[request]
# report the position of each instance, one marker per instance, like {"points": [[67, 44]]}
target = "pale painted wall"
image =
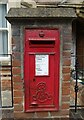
{"points": [[17, 3]]}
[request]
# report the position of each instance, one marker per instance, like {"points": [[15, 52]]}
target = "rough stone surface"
{"points": [[27, 13], [7, 113]]}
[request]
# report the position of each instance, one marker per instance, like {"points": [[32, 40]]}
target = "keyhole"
{"points": [[34, 80]]}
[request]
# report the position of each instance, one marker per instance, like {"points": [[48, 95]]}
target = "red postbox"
{"points": [[41, 69]]}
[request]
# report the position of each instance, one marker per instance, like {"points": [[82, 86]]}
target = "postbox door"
{"points": [[41, 70], [42, 84]]}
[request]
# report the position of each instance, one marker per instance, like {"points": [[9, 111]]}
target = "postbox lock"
{"points": [[41, 34], [34, 79]]}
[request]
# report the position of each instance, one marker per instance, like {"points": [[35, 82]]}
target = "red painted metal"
{"points": [[41, 88]]}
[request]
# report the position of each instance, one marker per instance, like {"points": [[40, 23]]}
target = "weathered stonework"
{"points": [[27, 13], [41, 18], [7, 114]]}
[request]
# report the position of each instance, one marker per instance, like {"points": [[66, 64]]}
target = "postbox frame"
{"points": [[29, 51]]}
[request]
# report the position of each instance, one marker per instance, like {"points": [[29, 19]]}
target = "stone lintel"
{"points": [[39, 13]]}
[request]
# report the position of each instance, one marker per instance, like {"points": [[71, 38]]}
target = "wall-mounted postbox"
{"points": [[41, 69]]}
